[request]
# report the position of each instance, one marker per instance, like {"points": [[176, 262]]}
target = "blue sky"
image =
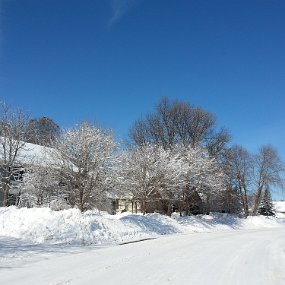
{"points": [[111, 60]]}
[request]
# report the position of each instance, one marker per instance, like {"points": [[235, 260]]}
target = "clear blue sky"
{"points": [[111, 60]]}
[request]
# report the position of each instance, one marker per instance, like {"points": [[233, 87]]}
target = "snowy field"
{"points": [[67, 247]]}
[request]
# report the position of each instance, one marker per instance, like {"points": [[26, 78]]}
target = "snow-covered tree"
{"points": [[13, 131], [149, 172], [181, 176], [42, 187], [201, 174], [266, 207], [82, 160]]}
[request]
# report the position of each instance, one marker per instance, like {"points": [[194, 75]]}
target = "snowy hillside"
{"points": [[42, 225]]}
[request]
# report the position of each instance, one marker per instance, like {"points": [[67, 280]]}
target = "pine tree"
{"points": [[266, 207]]}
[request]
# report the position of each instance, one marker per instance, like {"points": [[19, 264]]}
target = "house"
{"points": [[15, 187], [29, 155], [126, 205]]}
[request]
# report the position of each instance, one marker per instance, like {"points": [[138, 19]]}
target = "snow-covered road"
{"points": [[235, 257]]}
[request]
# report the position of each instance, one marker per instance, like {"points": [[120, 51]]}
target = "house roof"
{"points": [[33, 154]]}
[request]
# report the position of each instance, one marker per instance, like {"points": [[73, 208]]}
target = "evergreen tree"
{"points": [[266, 207]]}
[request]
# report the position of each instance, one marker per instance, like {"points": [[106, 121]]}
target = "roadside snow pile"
{"points": [[220, 222], [212, 222], [42, 225]]}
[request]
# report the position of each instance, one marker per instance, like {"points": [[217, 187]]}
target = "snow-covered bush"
{"points": [[82, 161]]}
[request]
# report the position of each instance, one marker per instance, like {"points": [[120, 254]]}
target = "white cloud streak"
{"points": [[119, 9]]}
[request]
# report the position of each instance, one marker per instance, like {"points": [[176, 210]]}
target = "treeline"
{"points": [[175, 159]]}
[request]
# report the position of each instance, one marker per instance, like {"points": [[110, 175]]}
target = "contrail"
{"points": [[119, 9]]}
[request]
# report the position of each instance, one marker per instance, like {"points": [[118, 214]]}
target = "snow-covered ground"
{"points": [[60, 247], [280, 208], [42, 225], [220, 258]]}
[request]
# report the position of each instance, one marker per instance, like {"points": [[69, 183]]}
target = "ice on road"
{"points": [[235, 257]]}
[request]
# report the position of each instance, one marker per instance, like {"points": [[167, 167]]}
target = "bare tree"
{"points": [[268, 170], [82, 158], [178, 123], [43, 131], [13, 132], [238, 167], [157, 128], [217, 144]]}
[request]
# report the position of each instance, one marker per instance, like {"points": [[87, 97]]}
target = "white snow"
{"points": [[244, 257], [280, 209], [42, 225], [279, 206], [67, 247], [32, 153]]}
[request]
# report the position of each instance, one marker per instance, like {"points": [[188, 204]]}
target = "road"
{"points": [[235, 257]]}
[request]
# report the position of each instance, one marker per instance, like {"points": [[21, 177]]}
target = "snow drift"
{"points": [[42, 225]]}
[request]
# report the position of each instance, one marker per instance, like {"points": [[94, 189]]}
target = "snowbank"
{"points": [[279, 206], [42, 225], [280, 209]]}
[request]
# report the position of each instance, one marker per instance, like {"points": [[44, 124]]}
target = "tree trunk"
{"points": [[257, 200], [6, 196], [144, 206], [81, 200], [169, 209], [244, 199], [246, 211]]}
